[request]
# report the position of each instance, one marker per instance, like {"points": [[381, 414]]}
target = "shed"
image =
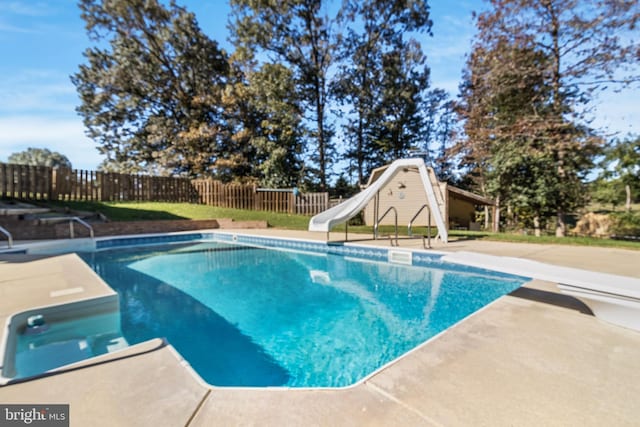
{"points": [[406, 192]]}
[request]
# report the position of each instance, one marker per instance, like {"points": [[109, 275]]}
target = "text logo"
{"points": [[34, 415]]}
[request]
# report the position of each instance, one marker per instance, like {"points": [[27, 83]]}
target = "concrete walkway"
{"points": [[624, 262], [531, 358], [35, 281]]}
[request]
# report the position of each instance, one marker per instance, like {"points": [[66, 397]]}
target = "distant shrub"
{"points": [[358, 219], [594, 225], [626, 224]]}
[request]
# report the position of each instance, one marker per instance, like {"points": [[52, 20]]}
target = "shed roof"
{"points": [[476, 199], [470, 197]]}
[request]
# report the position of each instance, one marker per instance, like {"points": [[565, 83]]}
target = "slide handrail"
{"points": [[375, 226], [410, 232], [9, 236]]}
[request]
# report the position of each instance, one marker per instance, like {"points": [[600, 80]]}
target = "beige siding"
{"points": [[406, 193]]}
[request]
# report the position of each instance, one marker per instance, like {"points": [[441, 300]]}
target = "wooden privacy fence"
{"points": [[45, 183], [215, 193], [312, 203], [26, 182], [83, 185], [239, 196]]}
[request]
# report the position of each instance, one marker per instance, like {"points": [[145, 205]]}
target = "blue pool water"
{"points": [[65, 341], [247, 316]]}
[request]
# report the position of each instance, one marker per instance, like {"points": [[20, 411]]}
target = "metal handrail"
{"points": [[79, 221], [375, 226], [71, 219], [9, 236], [410, 232]]}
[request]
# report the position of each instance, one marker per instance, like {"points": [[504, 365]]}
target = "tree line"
{"points": [[158, 95], [311, 84], [533, 72]]}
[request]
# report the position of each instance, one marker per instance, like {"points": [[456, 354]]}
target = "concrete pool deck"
{"points": [[530, 358]]}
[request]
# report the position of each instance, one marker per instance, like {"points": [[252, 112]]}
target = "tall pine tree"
{"points": [[508, 110], [295, 34], [381, 80], [151, 88]]}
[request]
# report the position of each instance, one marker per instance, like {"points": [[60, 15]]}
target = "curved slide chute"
{"points": [[325, 221]]}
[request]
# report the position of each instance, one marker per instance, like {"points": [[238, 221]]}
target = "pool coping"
{"points": [[371, 382]]}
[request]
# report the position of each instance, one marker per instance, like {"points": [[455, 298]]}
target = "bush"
{"points": [[358, 219], [626, 224], [594, 225]]}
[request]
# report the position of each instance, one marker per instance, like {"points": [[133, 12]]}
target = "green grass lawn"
{"points": [[132, 211], [503, 237], [144, 211], [521, 238]]}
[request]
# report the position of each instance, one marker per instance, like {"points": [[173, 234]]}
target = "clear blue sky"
{"points": [[41, 45]]}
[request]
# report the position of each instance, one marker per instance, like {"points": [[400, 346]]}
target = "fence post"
{"points": [[53, 194], [292, 203], [48, 184], [3, 180]]}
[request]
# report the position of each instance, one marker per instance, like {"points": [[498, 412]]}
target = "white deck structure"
{"points": [[613, 298]]}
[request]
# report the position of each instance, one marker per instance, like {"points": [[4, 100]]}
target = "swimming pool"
{"points": [[296, 315]]}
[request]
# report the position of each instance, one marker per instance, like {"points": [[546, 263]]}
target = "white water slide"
{"points": [[346, 210]]}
